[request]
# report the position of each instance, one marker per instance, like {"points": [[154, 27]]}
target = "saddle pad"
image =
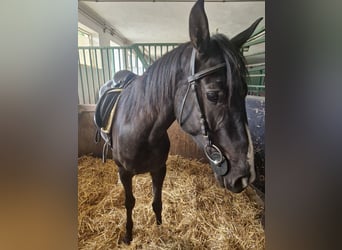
{"points": [[106, 106], [105, 109]]}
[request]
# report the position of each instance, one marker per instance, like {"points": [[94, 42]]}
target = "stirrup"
{"points": [[97, 137]]}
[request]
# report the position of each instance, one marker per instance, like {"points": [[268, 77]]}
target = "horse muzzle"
{"points": [[235, 176], [241, 172]]}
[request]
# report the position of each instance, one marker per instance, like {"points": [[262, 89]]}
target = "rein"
{"points": [[212, 152]]}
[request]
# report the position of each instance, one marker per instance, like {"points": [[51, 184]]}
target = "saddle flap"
{"points": [[104, 107]]}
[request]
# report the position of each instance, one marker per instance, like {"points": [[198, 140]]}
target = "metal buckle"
{"points": [[217, 152]]}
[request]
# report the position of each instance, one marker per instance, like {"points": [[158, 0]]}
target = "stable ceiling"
{"points": [[151, 22]]}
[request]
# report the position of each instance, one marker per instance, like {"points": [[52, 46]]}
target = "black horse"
{"points": [[202, 84]]}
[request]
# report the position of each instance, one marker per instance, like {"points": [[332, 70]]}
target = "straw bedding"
{"points": [[197, 213]]}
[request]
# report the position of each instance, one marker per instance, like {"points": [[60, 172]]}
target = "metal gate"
{"points": [[97, 65]]}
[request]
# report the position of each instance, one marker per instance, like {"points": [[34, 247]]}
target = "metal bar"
{"points": [[131, 59], [140, 55], [86, 70], [79, 85], [116, 59], [129, 46], [81, 78], [155, 53], [125, 58], [257, 86], [255, 54], [103, 66], [113, 60], [254, 65], [109, 75], [137, 64], [254, 42], [92, 71], [262, 79], [97, 71], [256, 70], [260, 70], [256, 75], [155, 44], [119, 52], [149, 54]]}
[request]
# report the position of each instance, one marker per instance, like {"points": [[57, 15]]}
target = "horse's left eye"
{"points": [[213, 96]]}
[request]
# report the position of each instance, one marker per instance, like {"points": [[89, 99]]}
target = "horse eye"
{"points": [[213, 96]]}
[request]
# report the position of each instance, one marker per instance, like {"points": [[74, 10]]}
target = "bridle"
{"points": [[212, 152]]}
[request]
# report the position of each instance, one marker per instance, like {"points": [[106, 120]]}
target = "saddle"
{"points": [[123, 78], [106, 106]]}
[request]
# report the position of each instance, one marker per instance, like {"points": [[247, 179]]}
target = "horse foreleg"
{"points": [[157, 184], [126, 179]]}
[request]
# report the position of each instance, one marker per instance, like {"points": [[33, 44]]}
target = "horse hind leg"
{"points": [[157, 185], [126, 179]]}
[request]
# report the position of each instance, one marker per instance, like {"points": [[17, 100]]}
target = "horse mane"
{"points": [[162, 71], [158, 82]]}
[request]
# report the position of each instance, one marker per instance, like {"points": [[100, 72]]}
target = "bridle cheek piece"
{"points": [[217, 161]]}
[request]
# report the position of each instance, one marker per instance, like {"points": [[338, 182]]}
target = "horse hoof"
{"points": [[127, 240]]}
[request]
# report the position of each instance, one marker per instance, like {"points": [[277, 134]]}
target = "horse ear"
{"points": [[241, 38], [198, 27]]}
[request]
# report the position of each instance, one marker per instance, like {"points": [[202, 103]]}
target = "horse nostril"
{"points": [[244, 182], [238, 184], [241, 182]]}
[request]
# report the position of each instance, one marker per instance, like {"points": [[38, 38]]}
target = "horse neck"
{"points": [[156, 89]]}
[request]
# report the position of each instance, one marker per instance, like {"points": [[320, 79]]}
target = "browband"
{"points": [[205, 72], [196, 76]]}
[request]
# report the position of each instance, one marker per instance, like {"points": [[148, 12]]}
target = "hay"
{"points": [[197, 213]]}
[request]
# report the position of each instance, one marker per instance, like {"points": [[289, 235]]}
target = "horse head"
{"points": [[211, 105]]}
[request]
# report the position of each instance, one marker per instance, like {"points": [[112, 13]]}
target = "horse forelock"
{"points": [[235, 65]]}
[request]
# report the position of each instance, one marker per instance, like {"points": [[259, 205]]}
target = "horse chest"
{"points": [[138, 154]]}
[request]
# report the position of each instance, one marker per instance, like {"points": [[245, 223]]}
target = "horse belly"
{"points": [[142, 157]]}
